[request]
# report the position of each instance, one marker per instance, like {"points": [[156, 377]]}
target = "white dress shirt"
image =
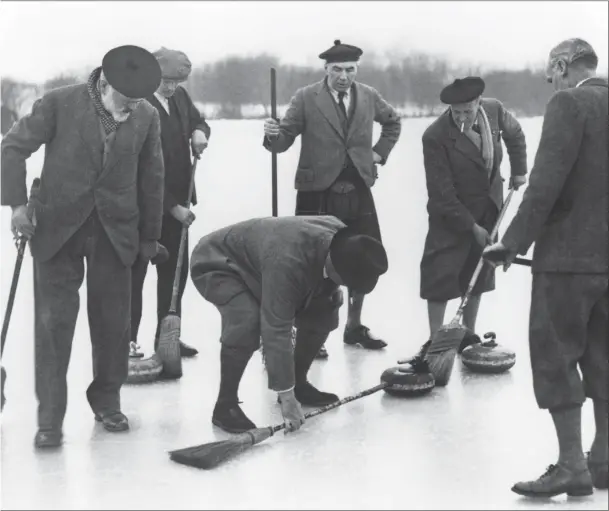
{"points": [[163, 101], [346, 97]]}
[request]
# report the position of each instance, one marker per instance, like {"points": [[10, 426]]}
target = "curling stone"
{"points": [[412, 379], [488, 356], [144, 370]]}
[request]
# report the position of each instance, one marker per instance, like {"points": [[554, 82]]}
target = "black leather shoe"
{"points": [[555, 481], [48, 439], [308, 395], [113, 421], [187, 351], [231, 418], [600, 473], [360, 335], [322, 353]]}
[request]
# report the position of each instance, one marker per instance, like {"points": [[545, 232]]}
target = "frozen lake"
{"points": [[460, 447]]}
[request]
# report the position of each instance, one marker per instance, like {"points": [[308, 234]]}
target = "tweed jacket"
{"points": [[126, 189], [565, 207], [176, 183], [325, 145], [281, 262]]}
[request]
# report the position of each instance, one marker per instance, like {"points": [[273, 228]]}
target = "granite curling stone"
{"points": [[412, 379], [144, 370], [488, 356]]}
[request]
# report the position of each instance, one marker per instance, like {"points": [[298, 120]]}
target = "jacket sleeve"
{"points": [[151, 178], [196, 119], [391, 124], [290, 126], [24, 139], [514, 140], [280, 293], [561, 136], [443, 199]]}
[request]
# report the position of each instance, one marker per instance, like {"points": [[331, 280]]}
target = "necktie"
{"points": [[341, 103]]}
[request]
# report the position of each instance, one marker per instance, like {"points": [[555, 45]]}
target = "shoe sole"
{"points": [[580, 492], [361, 345], [112, 429], [229, 430]]}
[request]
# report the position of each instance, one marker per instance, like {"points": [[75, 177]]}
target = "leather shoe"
{"points": [[187, 351], [308, 395], [360, 335], [113, 421], [48, 439], [600, 473], [555, 481], [230, 418], [322, 353]]}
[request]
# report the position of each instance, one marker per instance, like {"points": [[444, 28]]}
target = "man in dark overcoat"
{"points": [[462, 155], [564, 212], [182, 129], [100, 200], [267, 275], [338, 163]]}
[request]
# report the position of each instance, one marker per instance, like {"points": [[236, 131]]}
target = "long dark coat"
{"points": [[462, 193]]}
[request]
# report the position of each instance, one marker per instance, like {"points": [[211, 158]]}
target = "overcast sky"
{"points": [[41, 39]]}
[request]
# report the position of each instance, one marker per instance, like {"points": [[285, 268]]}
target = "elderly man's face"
{"points": [[556, 73], [168, 87], [465, 113], [117, 104], [341, 75]]}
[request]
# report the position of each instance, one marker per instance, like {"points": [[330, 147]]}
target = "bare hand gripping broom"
{"points": [[168, 349], [212, 454], [21, 242], [445, 342]]}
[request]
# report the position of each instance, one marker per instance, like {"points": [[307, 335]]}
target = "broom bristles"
{"points": [[443, 350], [441, 366], [169, 346], [212, 454]]}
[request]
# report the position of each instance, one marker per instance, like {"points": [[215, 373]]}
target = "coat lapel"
{"points": [[123, 143], [325, 103], [463, 144], [359, 113], [90, 130]]}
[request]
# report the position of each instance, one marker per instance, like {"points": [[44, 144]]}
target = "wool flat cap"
{"points": [[462, 90], [132, 71], [341, 53], [571, 50], [359, 260], [175, 65]]}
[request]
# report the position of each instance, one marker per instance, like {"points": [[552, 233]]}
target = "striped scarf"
{"points": [[108, 122], [488, 149]]}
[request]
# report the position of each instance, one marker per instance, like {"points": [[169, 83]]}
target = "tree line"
{"points": [[239, 86]]}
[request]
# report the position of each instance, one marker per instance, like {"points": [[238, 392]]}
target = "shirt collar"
{"points": [[583, 81], [335, 93], [161, 98]]}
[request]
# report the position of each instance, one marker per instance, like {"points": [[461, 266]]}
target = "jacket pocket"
{"points": [[305, 175]]}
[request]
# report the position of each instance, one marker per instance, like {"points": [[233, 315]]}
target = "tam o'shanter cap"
{"points": [[132, 71], [341, 53], [175, 65], [462, 90]]}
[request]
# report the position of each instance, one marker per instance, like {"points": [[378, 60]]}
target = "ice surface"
{"points": [[461, 447]]}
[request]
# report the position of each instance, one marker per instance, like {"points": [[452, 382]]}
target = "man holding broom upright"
{"points": [[182, 128], [338, 163], [462, 155], [100, 200], [564, 212], [267, 275]]}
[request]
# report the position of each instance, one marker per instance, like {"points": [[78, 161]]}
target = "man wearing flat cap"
{"points": [[100, 200], [182, 129], [267, 275], [338, 163], [564, 212], [462, 156]]}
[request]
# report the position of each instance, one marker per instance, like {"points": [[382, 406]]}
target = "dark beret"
{"points": [[132, 71], [462, 90], [341, 53]]}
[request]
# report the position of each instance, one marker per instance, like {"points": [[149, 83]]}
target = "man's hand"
{"points": [[498, 254], [293, 417], [517, 181], [483, 238], [198, 142], [376, 158], [21, 224], [183, 215], [271, 128], [148, 249]]}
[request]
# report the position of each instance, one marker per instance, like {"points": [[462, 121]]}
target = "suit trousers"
{"points": [[56, 306], [170, 239], [568, 327]]}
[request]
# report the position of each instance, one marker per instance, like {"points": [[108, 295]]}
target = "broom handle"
{"points": [[331, 406], [481, 262], [176, 278], [273, 152]]}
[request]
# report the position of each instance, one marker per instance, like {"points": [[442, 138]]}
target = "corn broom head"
{"points": [[210, 455], [442, 351], [169, 346]]}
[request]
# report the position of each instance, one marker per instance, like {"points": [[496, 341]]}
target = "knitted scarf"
{"points": [[488, 150], [108, 122]]}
